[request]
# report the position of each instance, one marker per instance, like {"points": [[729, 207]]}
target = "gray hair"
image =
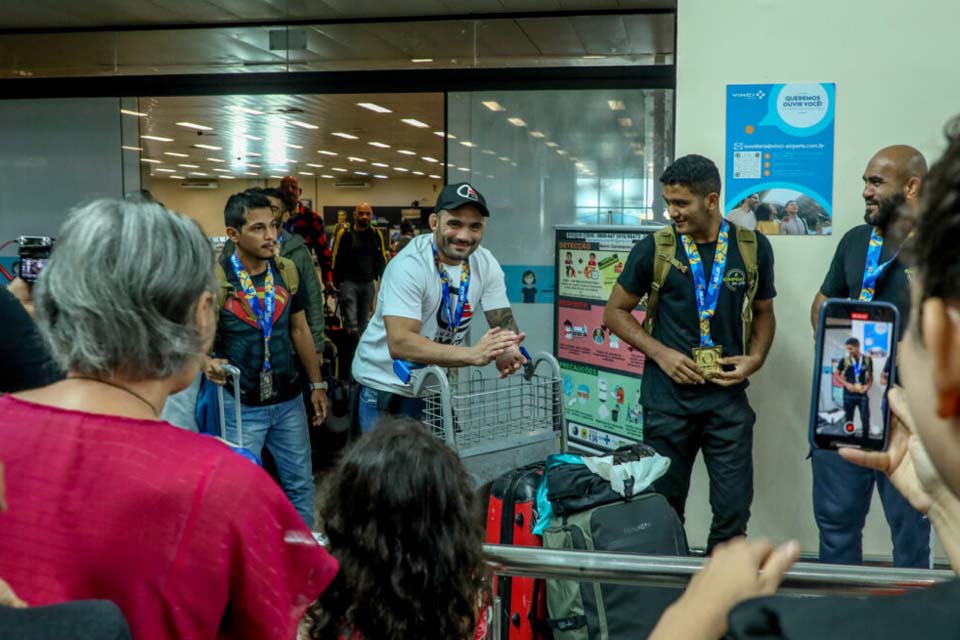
{"points": [[119, 293]]}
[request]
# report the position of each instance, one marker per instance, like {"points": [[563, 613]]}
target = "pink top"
{"points": [[188, 538]]}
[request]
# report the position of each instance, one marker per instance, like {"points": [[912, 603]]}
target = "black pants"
{"points": [[725, 435], [853, 400]]}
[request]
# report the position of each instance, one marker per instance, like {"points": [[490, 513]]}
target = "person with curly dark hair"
{"points": [[405, 525]]}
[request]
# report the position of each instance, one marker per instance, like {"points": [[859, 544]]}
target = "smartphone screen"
{"points": [[30, 268], [854, 369], [34, 251]]}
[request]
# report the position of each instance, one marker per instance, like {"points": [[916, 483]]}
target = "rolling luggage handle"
{"points": [[234, 373]]}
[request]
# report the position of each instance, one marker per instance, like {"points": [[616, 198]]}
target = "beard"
{"points": [[887, 211], [447, 249], [362, 224]]}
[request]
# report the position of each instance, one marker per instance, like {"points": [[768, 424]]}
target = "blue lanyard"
{"points": [[454, 316], [857, 368], [872, 270], [707, 293], [264, 314]]}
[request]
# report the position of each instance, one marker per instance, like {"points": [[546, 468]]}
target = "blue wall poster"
{"points": [[779, 157], [530, 283]]}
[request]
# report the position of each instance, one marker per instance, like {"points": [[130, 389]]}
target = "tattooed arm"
{"points": [[502, 318], [511, 360]]}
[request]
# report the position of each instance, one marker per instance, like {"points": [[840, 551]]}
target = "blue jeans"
{"points": [[283, 428], [376, 404], [841, 500]]}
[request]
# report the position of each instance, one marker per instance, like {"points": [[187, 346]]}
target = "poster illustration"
{"points": [[779, 157], [530, 283]]}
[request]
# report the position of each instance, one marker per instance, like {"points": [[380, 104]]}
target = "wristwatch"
{"points": [[318, 386]]}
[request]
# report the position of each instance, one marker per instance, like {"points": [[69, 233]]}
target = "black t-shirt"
{"points": [[240, 340], [26, 362], [850, 373], [677, 325], [930, 613], [359, 257], [845, 277]]}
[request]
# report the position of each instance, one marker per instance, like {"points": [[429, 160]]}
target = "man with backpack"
{"points": [[359, 258], [855, 374], [709, 324], [262, 330]]}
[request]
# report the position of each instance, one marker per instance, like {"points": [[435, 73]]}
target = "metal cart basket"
{"points": [[496, 424]]}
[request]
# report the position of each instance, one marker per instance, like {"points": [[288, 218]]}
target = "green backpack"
{"points": [[665, 257]]}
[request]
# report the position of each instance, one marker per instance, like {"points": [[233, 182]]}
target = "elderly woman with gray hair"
{"points": [[106, 501]]}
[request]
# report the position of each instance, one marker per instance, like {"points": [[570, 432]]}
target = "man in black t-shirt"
{"points": [[687, 407], [855, 374], [358, 263], [842, 491]]}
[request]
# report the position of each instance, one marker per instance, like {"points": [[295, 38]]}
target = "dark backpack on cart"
{"points": [[590, 516], [511, 516]]}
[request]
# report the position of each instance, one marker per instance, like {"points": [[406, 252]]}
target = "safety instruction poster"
{"points": [[601, 374], [780, 148]]}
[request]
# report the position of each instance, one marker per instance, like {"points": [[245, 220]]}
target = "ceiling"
{"points": [[70, 14], [570, 40], [276, 153], [601, 132]]}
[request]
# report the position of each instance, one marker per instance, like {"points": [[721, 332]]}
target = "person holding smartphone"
{"points": [[867, 266], [27, 361], [922, 461]]}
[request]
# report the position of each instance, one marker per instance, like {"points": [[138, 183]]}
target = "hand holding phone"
{"points": [[33, 252], [855, 342]]}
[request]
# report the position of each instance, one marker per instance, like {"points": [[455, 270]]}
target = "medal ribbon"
{"points": [[872, 270], [264, 313], [707, 292], [454, 316]]}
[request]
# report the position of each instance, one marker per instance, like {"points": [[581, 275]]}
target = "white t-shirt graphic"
{"points": [[411, 288]]}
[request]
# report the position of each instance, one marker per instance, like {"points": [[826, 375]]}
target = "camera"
{"points": [[33, 252]]}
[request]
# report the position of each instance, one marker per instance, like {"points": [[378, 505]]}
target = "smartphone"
{"points": [[33, 252], [854, 368]]}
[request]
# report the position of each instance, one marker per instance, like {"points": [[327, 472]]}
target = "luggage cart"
{"points": [[496, 424]]}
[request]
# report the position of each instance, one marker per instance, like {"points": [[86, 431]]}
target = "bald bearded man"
{"points": [[841, 491], [359, 258]]}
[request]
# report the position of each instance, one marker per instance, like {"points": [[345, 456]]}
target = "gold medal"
{"points": [[708, 360]]}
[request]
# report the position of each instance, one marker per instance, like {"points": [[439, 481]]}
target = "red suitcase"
{"points": [[511, 516]]}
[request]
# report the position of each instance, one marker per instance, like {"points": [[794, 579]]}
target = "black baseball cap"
{"points": [[454, 196]]}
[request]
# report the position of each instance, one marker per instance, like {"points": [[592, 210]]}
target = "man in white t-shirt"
{"points": [[420, 317]]}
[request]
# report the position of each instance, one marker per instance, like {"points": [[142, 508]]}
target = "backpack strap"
{"points": [[747, 243], [336, 246], [224, 289], [289, 273], [384, 244], [664, 257]]}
